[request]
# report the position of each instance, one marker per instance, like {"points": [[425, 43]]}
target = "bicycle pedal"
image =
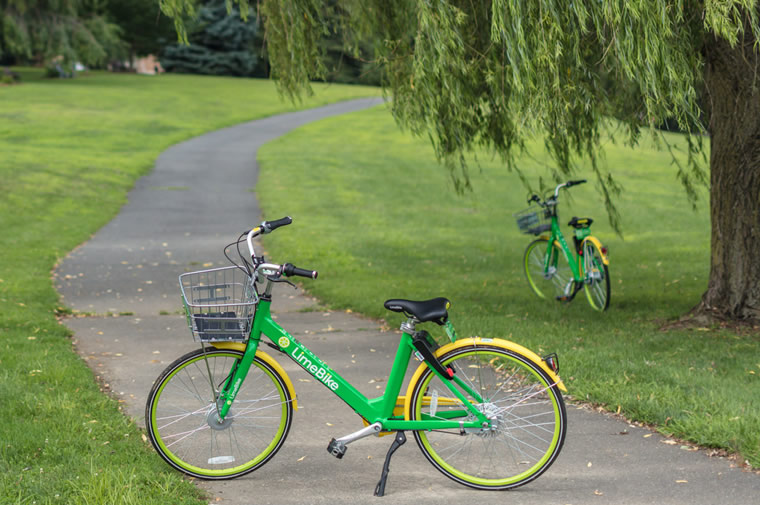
{"points": [[563, 298], [337, 449]]}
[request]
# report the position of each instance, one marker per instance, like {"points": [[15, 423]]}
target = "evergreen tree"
{"points": [[220, 43]]}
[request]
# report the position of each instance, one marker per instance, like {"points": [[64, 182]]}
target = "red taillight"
{"points": [[604, 251], [552, 360]]}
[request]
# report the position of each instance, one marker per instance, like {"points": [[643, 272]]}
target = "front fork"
{"points": [[225, 396]]}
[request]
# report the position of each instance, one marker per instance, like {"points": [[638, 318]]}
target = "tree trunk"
{"points": [[732, 79]]}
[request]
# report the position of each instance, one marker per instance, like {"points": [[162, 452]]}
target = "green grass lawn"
{"points": [[378, 217], [69, 152]]}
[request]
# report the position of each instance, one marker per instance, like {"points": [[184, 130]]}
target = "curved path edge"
{"points": [[196, 200]]}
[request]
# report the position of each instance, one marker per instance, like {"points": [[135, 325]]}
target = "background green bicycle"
{"points": [[486, 412], [552, 267]]}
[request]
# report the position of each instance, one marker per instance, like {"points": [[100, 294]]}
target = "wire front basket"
{"points": [[532, 220], [220, 304]]}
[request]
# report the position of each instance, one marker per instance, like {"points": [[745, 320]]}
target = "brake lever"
{"points": [[272, 278]]}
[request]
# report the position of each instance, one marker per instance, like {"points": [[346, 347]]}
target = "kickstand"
{"points": [[397, 442], [577, 286]]}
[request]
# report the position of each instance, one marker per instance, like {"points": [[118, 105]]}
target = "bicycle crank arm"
{"points": [[338, 447]]}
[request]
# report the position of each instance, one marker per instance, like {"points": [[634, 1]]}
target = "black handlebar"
{"points": [[290, 270], [270, 226], [536, 198], [574, 183]]}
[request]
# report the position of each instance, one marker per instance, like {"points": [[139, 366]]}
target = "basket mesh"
{"points": [[220, 303], [532, 220]]}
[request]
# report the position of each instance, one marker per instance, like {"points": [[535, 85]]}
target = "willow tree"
{"points": [[493, 73]]}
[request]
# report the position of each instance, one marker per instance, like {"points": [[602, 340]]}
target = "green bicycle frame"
{"points": [[556, 235], [373, 410]]}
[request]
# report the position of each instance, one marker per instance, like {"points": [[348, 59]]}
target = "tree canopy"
{"points": [[494, 73], [70, 30]]}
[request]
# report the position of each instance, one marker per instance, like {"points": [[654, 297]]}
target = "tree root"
{"points": [[703, 317]]}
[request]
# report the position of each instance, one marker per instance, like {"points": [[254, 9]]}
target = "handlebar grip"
{"points": [[290, 270], [270, 226], [573, 183], [534, 198]]}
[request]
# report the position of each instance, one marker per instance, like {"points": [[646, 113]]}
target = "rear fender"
{"points": [[496, 342], [598, 244]]}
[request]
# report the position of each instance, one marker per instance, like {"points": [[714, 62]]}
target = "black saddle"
{"points": [[435, 310], [580, 222]]}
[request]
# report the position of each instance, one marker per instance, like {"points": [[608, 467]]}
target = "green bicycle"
{"points": [[551, 266], [486, 412]]}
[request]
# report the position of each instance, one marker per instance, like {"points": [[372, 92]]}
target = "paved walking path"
{"points": [[179, 217]]}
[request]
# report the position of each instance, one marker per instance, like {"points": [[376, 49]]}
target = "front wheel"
{"points": [[596, 276], [547, 270], [182, 422], [528, 419]]}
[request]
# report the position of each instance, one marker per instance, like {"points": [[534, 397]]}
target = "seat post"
{"points": [[410, 326]]}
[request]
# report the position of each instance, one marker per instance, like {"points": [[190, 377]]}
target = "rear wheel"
{"points": [[596, 276], [528, 419], [548, 279], [181, 415]]}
